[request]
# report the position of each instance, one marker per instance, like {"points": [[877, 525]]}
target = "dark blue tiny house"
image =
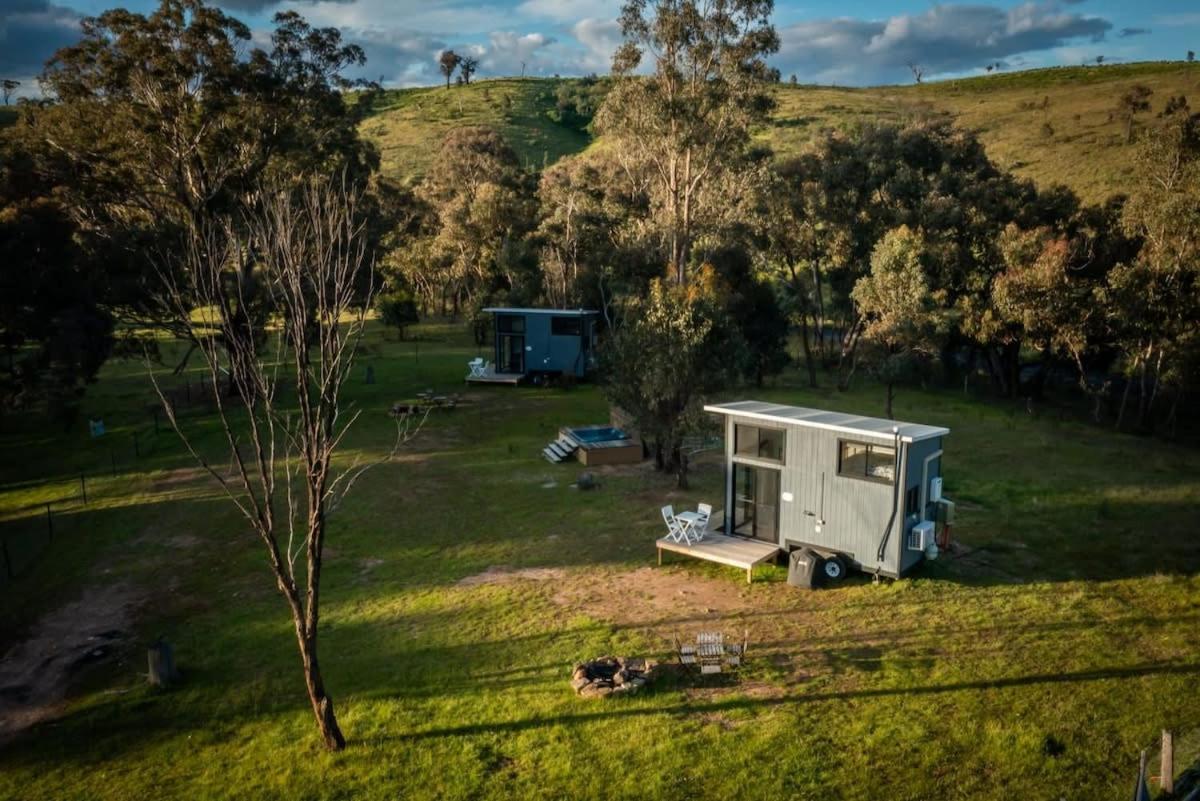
{"points": [[538, 343]]}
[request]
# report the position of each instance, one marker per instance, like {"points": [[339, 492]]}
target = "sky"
{"points": [[855, 42]]}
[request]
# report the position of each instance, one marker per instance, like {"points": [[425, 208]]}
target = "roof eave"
{"points": [[905, 438]]}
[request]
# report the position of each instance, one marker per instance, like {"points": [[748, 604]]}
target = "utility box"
{"points": [[802, 568], [920, 536]]}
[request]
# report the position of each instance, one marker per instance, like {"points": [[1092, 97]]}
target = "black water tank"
{"points": [[802, 568]]}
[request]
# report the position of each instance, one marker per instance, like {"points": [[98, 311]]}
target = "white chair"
{"points": [[701, 526], [675, 529], [476, 366]]}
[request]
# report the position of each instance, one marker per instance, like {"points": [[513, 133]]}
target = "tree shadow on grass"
{"points": [[617, 709]]}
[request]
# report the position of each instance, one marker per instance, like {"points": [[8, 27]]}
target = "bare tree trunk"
{"points": [[819, 318], [809, 360], [891, 396], [322, 704]]}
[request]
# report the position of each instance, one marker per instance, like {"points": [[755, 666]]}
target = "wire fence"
{"points": [[54, 509]]}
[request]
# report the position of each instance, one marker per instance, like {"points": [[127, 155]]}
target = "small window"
{"points": [[566, 326], [770, 444], [510, 324], [758, 443], [912, 499], [866, 461], [746, 440]]}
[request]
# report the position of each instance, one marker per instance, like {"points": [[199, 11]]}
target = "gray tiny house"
{"points": [[543, 342], [862, 489]]}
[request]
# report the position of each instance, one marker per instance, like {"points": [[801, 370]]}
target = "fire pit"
{"points": [[612, 675]]}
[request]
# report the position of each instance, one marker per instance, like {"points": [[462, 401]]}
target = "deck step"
{"points": [[559, 449]]}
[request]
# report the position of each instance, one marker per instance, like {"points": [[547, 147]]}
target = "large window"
{"points": [[510, 324], [758, 443], [566, 326], [867, 461]]}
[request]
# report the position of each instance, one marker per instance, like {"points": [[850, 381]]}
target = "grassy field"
{"points": [[1083, 147], [465, 576]]}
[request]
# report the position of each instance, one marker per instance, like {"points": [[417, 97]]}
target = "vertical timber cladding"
{"points": [[851, 513], [854, 511]]}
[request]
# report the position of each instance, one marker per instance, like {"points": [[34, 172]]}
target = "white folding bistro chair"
{"points": [[701, 526], [675, 530], [476, 366]]}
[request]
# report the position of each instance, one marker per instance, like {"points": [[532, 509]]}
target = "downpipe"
{"points": [[897, 483]]}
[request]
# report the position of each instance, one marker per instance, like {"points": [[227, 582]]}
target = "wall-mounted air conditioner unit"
{"points": [[921, 536]]}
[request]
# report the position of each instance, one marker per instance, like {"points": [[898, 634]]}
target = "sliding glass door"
{"points": [[756, 502]]}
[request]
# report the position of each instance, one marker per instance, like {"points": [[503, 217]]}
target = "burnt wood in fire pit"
{"points": [[607, 676]]}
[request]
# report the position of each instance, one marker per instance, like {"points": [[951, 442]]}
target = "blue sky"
{"points": [[854, 43]]}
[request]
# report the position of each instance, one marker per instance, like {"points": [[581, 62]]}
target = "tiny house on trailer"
{"points": [[860, 491], [537, 343]]}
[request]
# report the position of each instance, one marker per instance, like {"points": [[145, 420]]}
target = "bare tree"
{"points": [[309, 246], [918, 72], [467, 67], [7, 87]]}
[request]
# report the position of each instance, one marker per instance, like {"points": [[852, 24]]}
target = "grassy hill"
{"points": [[1051, 125]]}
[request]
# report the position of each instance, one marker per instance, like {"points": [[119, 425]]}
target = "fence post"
{"points": [[1166, 778], [49, 523], [83, 487]]}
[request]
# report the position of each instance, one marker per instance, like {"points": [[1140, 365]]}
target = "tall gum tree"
{"points": [[676, 130]]}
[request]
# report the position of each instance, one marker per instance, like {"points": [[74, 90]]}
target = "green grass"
{"points": [[1086, 150], [409, 125], [1074, 618]]}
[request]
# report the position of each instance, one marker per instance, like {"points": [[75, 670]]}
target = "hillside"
{"points": [[1082, 146]]}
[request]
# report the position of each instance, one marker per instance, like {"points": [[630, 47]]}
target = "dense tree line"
{"points": [[898, 250]]}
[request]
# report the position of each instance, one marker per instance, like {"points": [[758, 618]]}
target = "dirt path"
{"points": [[35, 674]]}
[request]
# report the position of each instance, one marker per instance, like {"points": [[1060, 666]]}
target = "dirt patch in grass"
{"points": [[652, 596], [499, 574], [35, 674]]}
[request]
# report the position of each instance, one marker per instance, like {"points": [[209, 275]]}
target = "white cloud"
{"points": [[600, 38], [944, 39]]}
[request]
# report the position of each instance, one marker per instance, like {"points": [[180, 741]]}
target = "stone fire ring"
{"points": [[609, 676]]}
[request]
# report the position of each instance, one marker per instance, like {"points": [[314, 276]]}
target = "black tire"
{"points": [[833, 569]]}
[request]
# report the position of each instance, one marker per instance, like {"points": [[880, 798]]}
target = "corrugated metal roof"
{"points": [[833, 421], [562, 312]]}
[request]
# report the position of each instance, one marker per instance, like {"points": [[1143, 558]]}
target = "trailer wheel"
{"points": [[833, 569]]}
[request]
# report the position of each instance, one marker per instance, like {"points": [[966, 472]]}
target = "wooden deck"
{"points": [[732, 551], [496, 378]]}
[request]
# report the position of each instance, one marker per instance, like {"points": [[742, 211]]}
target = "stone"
{"points": [[619, 678], [579, 683], [580, 673], [586, 481], [637, 683], [635, 663], [604, 692]]}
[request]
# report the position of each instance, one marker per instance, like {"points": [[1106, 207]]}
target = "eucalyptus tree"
{"points": [[902, 313], [1153, 300], [480, 208], [162, 122], [674, 348], [448, 62], [676, 130]]}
